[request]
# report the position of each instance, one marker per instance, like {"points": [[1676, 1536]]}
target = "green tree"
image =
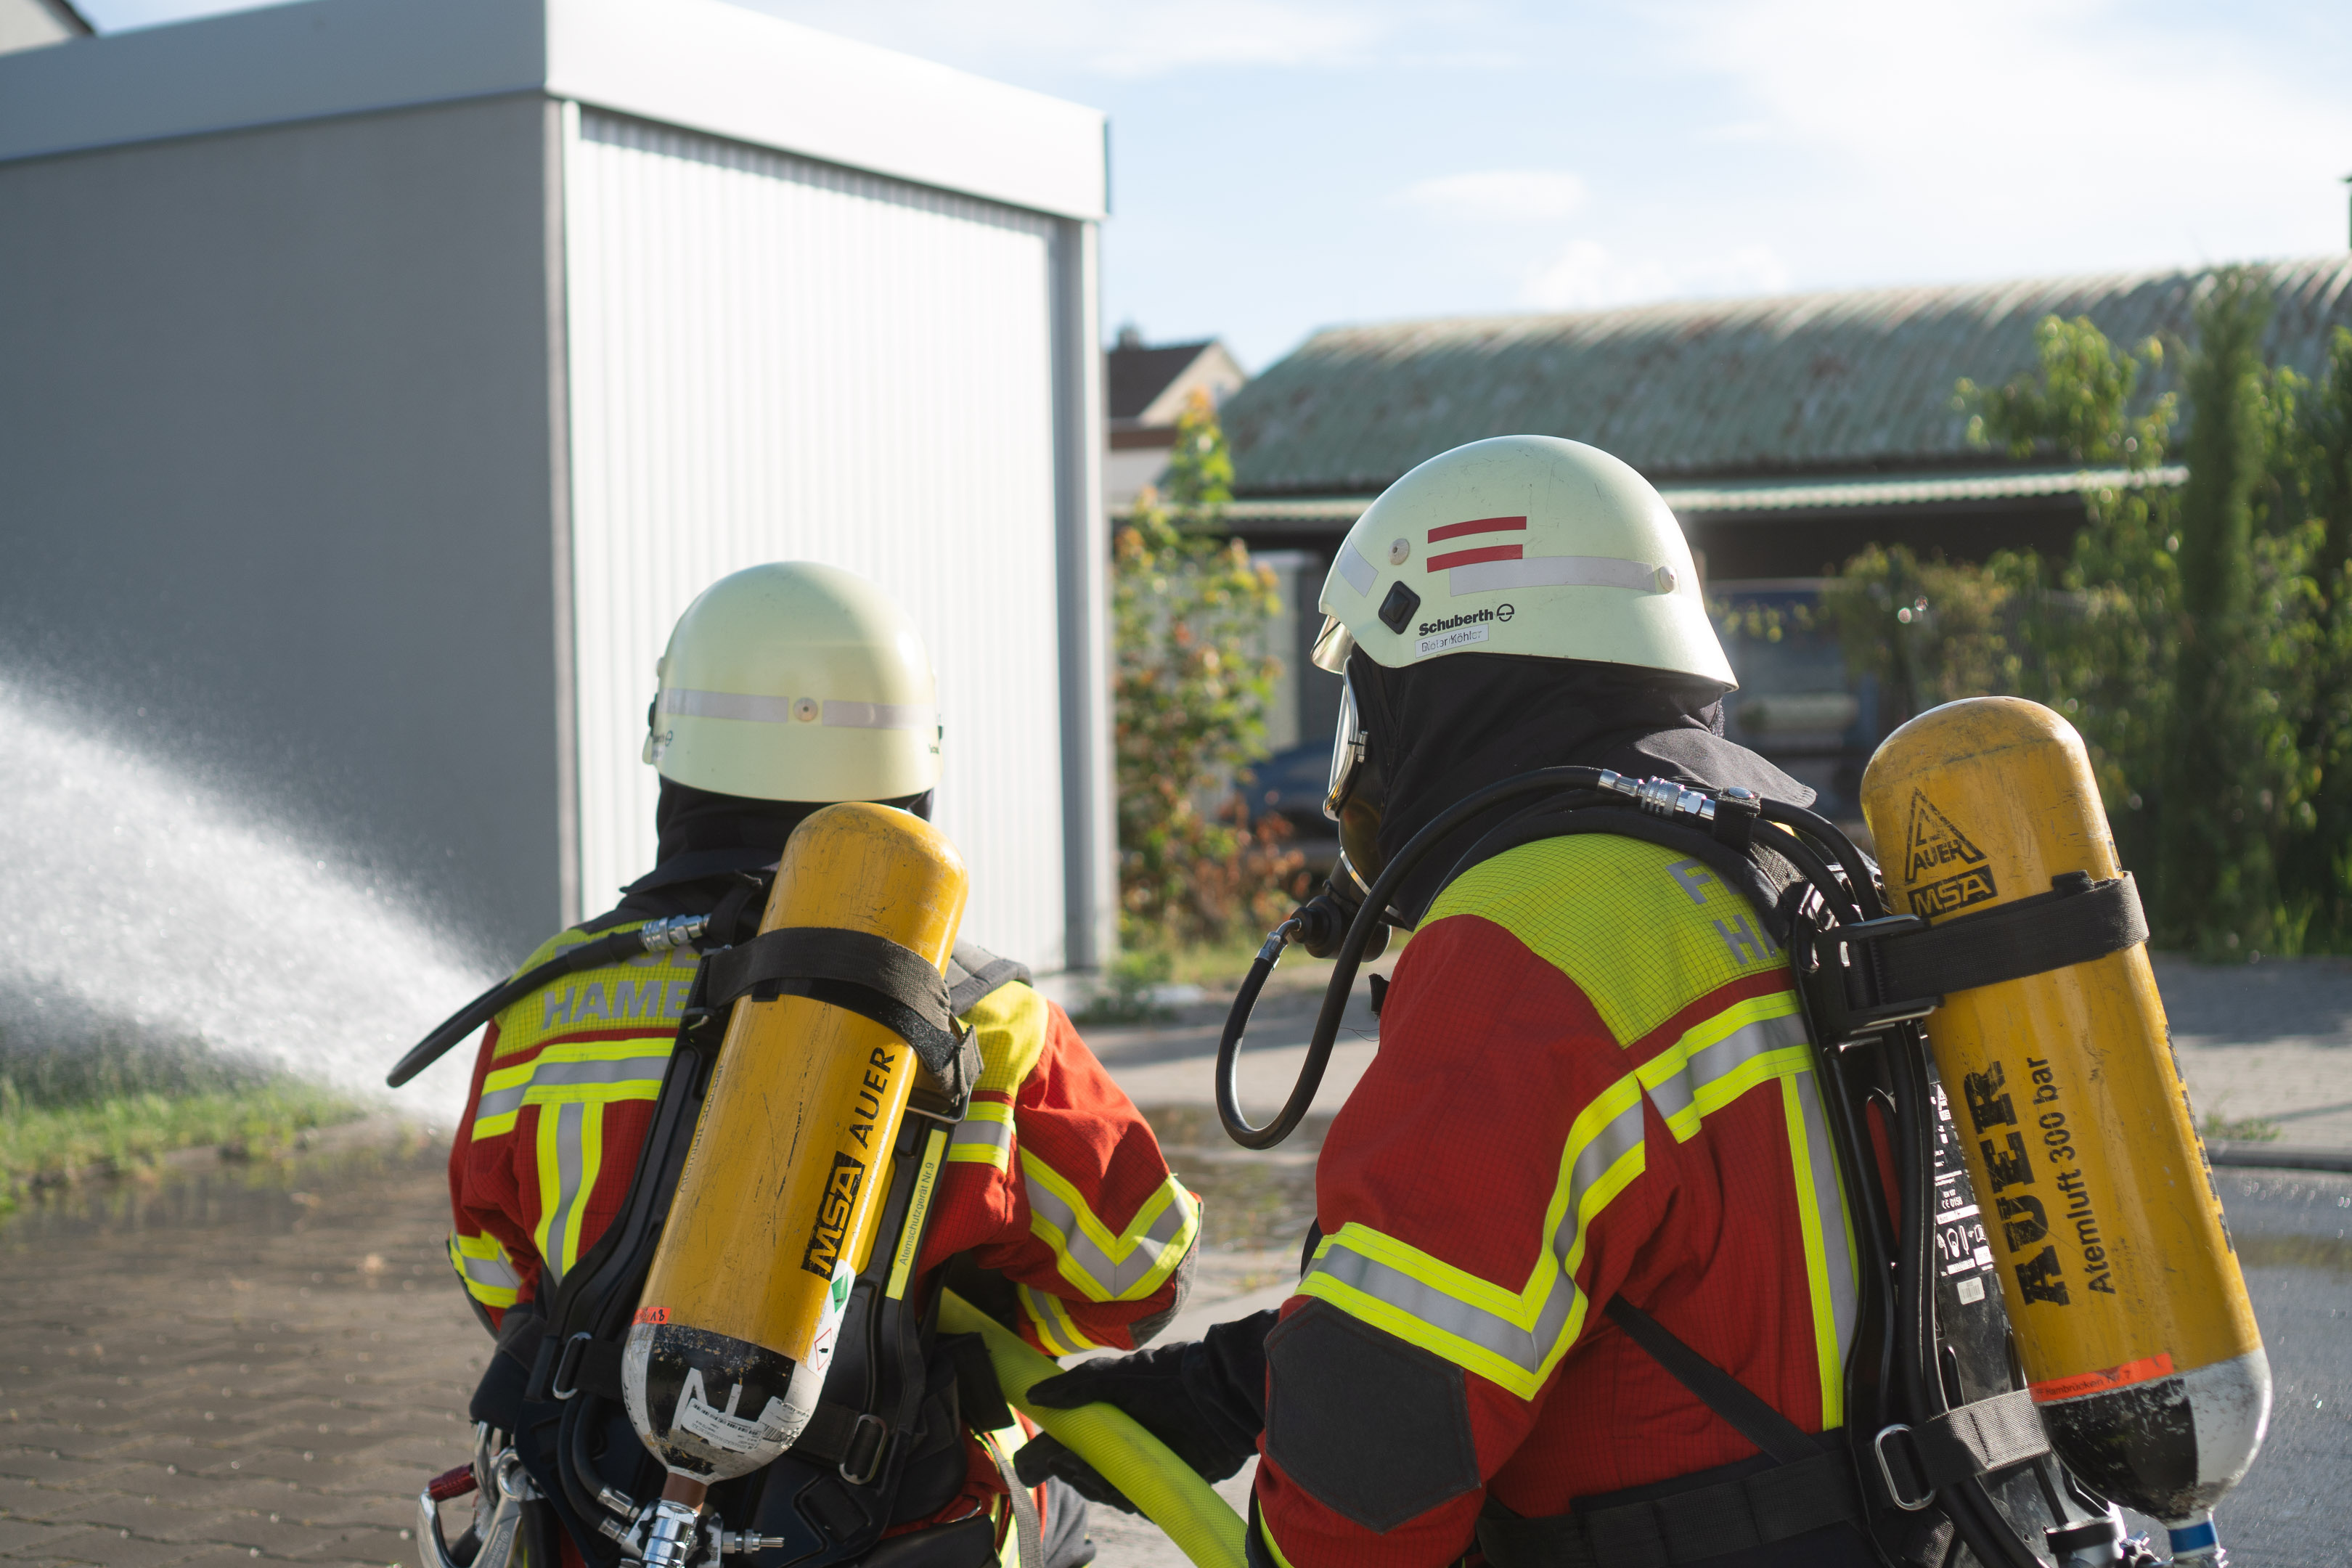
{"points": [[1188, 605], [2315, 871], [1931, 631], [2093, 631], [2217, 880], [2201, 638]]}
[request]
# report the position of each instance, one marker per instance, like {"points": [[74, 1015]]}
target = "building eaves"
{"points": [[702, 64], [1857, 381], [1337, 513]]}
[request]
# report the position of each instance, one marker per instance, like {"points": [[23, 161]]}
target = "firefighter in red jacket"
{"points": [[1593, 1091], [786, 688]]}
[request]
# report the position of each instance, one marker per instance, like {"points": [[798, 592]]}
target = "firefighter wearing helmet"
{"points": [[786, 688], [1589, 1166]]}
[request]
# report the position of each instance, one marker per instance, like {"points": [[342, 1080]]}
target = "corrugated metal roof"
{"points": [[1802, 384], [1337, 512]]}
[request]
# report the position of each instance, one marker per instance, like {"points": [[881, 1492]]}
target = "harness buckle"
{"points": [[863, 1461], [1886, 1471], [1840, 975], [567, 1367]]}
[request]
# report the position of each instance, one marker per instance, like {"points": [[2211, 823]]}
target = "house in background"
{"points": [[1148, 386], [1785, 433], [31, 24]]}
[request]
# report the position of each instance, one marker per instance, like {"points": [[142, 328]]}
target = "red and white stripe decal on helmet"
{"points": [[1472, 556], [1479, 525]]}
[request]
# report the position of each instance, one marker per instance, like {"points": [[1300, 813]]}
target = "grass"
{"points": [[117, 1109], [2243, 1130]]}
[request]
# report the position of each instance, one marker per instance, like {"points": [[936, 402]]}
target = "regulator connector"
{"points": [[1662, 797]]}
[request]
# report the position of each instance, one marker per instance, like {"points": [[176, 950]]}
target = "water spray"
{"points": [[152, 902]]}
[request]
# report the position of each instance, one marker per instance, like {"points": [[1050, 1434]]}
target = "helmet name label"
{"points": [[1460, 637], [1457, 631]]}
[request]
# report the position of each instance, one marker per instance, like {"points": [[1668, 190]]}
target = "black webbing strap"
{"points": [[2076, 921], [841, 1435], [1778, 1503], [978, 1395], [1971, 1440], [1810, 1485], [583, 1364], [1749, 1415], [867, 974], [974, 971]]}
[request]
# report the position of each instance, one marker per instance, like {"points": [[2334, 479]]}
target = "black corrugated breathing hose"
{"points": [[1350, 957], [654, 936]]}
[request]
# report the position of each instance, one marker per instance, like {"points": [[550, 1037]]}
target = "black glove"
{"points": [[1205, 1399]]}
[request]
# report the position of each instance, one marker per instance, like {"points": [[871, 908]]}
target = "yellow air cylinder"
{"points": [[2130, 1317], [783, 1189]]}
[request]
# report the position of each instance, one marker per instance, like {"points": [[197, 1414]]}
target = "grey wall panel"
{"points": [[1089, 819], [773, 359], [275, 464]]}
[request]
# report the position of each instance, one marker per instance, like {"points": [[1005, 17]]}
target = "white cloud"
{"points": [[1119, 39], [1150, 38], [1500, 196], [1585, 275], [2066, 118]]}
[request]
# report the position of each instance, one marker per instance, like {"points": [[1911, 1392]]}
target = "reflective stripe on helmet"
{"points": [[1555, 571], [794, 680], [831, 711], [1514, 1337], [1358, 573]]}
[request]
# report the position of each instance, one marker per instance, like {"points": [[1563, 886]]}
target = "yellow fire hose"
{"points": [[1169, 1492]]}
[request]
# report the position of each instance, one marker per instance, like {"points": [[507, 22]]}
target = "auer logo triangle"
{"points": [[1945, 871], [1934, 843]]}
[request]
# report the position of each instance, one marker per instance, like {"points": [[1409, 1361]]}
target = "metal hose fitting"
{"points": [[676, 931]]}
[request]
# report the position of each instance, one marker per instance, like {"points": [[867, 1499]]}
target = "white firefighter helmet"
{"points": [[1525, 544], [796, 682]]}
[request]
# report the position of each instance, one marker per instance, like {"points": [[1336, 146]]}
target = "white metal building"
{"points": [[379, 378]]}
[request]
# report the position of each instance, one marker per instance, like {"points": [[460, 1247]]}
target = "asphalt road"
{"points": [[2293, 1232]]}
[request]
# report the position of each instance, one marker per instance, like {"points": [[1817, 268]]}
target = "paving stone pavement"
{"points": [[243, 1365], [238, 1364], [231, 1366]]}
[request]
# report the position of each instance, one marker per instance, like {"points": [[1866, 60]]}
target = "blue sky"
{"points": [[1284, 164]]}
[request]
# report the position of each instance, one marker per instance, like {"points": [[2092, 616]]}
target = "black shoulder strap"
{"points": [[1739, 1404], [974, 971]]}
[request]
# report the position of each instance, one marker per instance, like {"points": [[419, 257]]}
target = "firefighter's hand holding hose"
{"points": [[1125, 1458], [1204, 1398]]}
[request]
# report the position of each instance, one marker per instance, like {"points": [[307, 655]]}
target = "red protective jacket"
{"points": [[1592, 1079], [1053, 1179]]}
